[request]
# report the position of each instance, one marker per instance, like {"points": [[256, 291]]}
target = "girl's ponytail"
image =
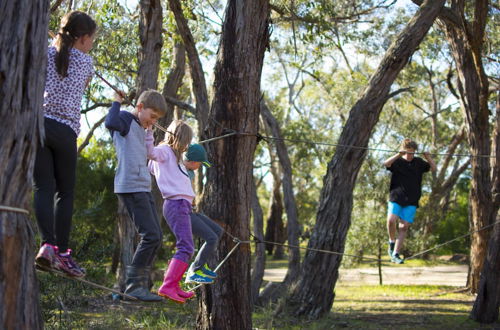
{"points": [[179, 137], [73, 26]]}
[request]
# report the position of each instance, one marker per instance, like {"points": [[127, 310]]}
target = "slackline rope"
{"points": [[233, 132], [13, 209]]}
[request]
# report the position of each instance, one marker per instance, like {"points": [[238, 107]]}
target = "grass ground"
{"points": [[72, 305]]}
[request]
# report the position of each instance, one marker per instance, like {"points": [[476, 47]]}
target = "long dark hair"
{"points": [[73, 26]]}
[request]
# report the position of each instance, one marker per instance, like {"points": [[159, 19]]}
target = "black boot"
{"points": [[137, 284]]}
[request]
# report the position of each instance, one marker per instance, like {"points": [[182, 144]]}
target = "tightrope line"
{"points": [[13, 209]]}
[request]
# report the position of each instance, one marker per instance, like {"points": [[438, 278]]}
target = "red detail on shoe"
{"points": [[67, 265]]}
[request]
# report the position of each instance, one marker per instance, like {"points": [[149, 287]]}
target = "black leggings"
{"points": [[54, 183]]}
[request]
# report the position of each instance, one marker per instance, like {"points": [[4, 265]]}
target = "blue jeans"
{"points": [[210, 232]]}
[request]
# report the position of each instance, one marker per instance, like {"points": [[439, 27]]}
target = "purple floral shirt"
{"points": [[63, 96]]}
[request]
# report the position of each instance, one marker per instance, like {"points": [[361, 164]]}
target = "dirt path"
{"points": [[455, 275]]}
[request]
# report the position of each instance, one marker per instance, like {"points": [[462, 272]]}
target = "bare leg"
{"points": [[391, 226], [403, 229]]}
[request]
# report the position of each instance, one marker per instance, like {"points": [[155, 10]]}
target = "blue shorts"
{"points": [[407, 213]]}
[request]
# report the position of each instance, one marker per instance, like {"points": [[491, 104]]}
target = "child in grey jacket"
{"points": [[133, 184]]}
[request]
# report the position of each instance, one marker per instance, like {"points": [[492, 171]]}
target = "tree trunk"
{"points": [[245, 36], [150, 34], [289, 196], [273, 291], [23, 40], [466, 42], [127, 238], [174, 82], [313, 296], [487, 304], [260, 253], [275, 229]]}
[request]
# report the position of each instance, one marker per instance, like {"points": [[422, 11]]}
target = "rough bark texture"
{"points": [[313, 296], [23, 40], [260, 253], [127, 235], [487, 303], [150, 28], [227, 196], [466, 41]]}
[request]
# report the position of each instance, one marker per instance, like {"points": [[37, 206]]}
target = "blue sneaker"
{"points": [[198, 277], [208, 272], [397, 259]]}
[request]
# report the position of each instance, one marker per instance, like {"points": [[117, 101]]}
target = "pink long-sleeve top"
{"points": [[171, 177]]}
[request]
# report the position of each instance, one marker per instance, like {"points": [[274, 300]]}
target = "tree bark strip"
{"points": [[313, 296], [23, 55], [150, 34], [260, 253], [466, 41], [245, 36], [487, 304]]}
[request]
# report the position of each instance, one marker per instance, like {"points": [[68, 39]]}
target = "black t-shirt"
{"points": [[406, 180]]}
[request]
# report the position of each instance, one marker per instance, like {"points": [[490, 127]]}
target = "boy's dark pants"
{"points": [[203, 227], [54, 176], [141, 207]]}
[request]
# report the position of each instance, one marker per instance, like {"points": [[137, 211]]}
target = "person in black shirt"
{"points": [[405, 192]]}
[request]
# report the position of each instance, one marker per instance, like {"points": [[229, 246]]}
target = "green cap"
{"points": [[196, 153]]}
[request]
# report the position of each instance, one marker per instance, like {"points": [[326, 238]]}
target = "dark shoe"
{"points": [[137, 284], [397, 259], [66, 264]]}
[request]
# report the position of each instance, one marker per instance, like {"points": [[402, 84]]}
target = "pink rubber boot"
{"points": [[180, 292], [170, 285]]}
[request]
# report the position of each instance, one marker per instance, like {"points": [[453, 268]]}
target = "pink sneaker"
{"points": [[46, 256], [66, 264]]}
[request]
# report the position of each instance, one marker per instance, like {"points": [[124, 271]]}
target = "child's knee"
{"points": [[154, 238]]}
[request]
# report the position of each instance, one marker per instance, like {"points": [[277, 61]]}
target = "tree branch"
{"points": [[180, 104], [90, 134], [197, 75]]}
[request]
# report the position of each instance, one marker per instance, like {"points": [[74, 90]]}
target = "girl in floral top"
{"points": [[69, 70]]}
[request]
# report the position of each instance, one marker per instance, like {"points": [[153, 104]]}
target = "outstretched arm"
{"points": [[389, 161], [113, 120], [154, 153], [431, 162]]}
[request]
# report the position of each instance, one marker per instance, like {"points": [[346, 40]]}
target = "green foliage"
{"points": [[95, 204]]}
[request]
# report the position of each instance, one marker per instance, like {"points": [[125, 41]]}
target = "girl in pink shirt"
{"points": [[175, 186]]}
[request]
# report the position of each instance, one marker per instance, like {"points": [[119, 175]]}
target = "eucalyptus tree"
{"points": [[23, 40], [465, 26], [313, 295], [235, 105]]}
